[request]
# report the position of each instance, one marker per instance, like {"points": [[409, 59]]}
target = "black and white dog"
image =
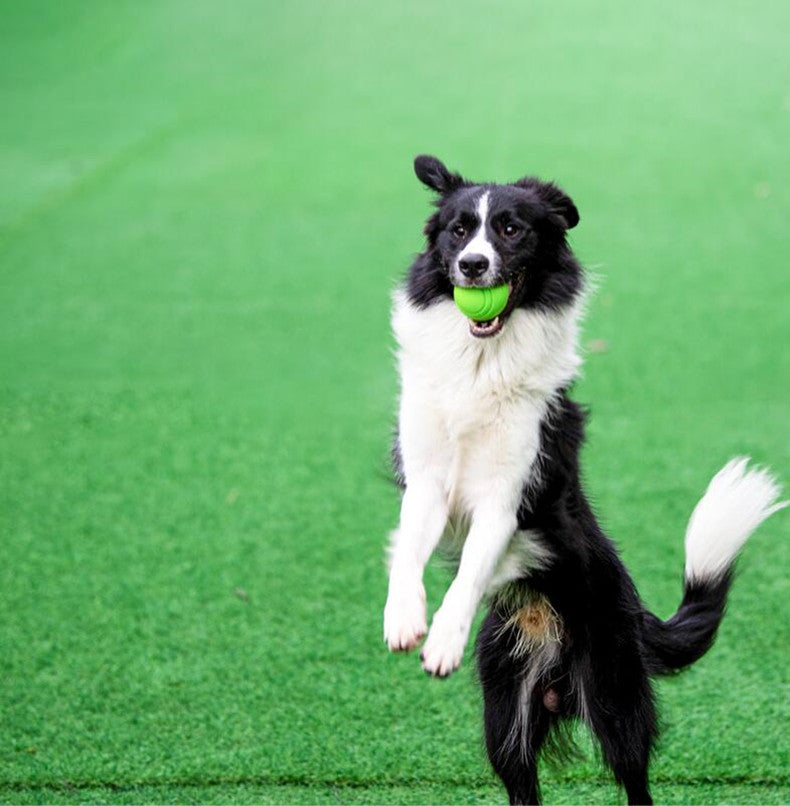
{"points": [[487, 452]]}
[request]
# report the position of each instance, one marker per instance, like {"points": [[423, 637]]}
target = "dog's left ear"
{"points": [[433, 173], [562, 210], [560, 205]]}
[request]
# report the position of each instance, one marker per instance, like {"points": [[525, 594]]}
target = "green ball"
{"points": [[481, 304]]}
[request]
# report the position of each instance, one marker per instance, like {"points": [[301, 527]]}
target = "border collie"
{"points": [[487, 454]]}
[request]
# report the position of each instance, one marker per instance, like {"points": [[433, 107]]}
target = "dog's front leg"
{"points": [[423, 518], [491, 530]]}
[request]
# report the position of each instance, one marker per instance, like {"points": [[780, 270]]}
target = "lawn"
{"points": [[203, 210]]}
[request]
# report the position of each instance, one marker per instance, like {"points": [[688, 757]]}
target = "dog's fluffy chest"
{"points": [[471, 409]]}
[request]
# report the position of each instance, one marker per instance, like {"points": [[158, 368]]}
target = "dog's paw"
{"points": [[404, 619], [444, 648]]}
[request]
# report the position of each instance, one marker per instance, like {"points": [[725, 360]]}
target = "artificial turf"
{"points": [[203, 209]]}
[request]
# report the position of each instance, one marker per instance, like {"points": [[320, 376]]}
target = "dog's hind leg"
{"points": [[623, 719], [516, 720]]}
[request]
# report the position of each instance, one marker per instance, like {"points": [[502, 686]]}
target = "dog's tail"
{"points": [[737, 501]]}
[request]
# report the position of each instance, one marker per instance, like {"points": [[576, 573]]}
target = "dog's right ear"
{"points": [[433, 173]]}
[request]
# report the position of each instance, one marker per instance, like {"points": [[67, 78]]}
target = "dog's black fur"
{"points": [[541, 212], [611, 644]]}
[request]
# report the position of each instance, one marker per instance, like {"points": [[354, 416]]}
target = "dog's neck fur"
{"points": [[535, 355]]}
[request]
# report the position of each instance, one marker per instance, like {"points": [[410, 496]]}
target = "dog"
{"points": [[487, 455]]}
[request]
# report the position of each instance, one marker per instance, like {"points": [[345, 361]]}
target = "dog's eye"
{"points": [[459, 230], [510, 230]]}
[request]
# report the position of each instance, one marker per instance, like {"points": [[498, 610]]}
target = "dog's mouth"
{"points": [[490, 327], [482, 330]]}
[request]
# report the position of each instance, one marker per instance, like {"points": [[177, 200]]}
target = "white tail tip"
{"points": [[737, 501]]}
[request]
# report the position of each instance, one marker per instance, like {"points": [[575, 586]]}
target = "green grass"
{"points": [[203, 208]]}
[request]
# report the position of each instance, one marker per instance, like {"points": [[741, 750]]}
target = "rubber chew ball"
{"points": [[481, 304]]}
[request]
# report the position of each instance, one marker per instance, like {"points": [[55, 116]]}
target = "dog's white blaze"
{"points": [[737, 501], [480, 245], [469, 429]]}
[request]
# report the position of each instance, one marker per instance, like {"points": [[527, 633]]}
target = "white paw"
{"points": [[444, 648], [404, 618]]}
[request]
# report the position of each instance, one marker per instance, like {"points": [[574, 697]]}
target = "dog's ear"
{"points": [[433, 173], [560, 204], [562, 210]]}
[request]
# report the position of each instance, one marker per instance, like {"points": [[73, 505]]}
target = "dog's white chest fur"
{"points": [[471, 409], [469, 429]]}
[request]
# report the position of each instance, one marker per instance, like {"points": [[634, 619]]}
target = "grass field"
{"points": [[203, 208]]}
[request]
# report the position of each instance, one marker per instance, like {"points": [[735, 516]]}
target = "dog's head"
{"points": [[486, 235]]}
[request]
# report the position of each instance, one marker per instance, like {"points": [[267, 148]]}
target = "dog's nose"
{"points": [[473, 265]]}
